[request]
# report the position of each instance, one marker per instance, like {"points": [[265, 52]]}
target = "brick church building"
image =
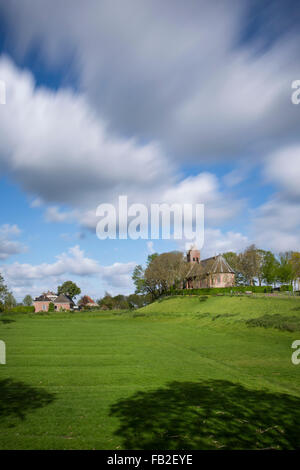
{"points": [[210, 272]]}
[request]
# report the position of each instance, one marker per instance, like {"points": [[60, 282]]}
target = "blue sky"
{"points": [[164, 102]]}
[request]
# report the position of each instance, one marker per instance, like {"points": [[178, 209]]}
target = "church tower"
{"points": [[193, 255]]}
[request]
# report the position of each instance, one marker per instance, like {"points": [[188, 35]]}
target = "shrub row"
{"points": [[20, 309], [281, 322], [222, 290]]}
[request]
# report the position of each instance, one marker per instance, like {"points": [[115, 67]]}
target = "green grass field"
{"points": [[182, 373]]}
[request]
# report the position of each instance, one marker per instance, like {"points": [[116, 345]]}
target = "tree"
{"points": [[285, 274], [162, 272], [295, 262], [138, 279], [269, 268], [10, 301], [84, 300], [3, 293], [136, 301], [69, 288], [106, 302], [261, 254], [234, 260], [250, 264], [51, 307], [27, 301], [120, 302]]}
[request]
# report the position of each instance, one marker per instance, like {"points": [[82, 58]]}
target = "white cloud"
{"points": [[283, 168], [216, 242], [56, 147], [27, 278], [9, 246], [118, 276], [150, 247], [72, 262], [54, 214], [36, 202], [276, 225]]}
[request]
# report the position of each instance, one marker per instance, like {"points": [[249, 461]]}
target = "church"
{"points": [[210, 272]]}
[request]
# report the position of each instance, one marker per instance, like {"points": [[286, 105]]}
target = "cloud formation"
{"points": [[24, 278], [180, 74], [9, 246], [153, 88], [57, 148]]}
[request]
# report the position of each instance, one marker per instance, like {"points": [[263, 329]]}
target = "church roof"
{"points": [[214, 265]]}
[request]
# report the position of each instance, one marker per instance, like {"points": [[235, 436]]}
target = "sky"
{"points": [[165, 102]]}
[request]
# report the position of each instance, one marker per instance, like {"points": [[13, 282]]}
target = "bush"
{"points": [[286, 287], [86, 308], [281, 322]]}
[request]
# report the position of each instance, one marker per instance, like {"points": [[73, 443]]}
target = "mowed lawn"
{"points": [[183, 373]]}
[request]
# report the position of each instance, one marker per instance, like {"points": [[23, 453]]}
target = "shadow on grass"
{"points": [[17, 399], [6, 321], [216, 414], [223, 315]]}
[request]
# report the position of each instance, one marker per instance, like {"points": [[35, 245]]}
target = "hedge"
{"points": [[20, 309], [221, 290], [286, 287]]}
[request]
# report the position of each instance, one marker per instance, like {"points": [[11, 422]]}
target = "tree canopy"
{"points": [[162, 272], [69, 288], [27, 301]]}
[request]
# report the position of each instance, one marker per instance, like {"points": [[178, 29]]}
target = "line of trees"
{"points": [[123, 302], [257, 267], [253, 266]]}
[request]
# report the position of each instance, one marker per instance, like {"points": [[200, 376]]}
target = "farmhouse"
{"points": [[61, 302], [210, 272]]}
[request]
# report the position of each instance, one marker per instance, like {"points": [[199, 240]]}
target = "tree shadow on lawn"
{"points": [[18, 399], [215, 414], [6, 321]]}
